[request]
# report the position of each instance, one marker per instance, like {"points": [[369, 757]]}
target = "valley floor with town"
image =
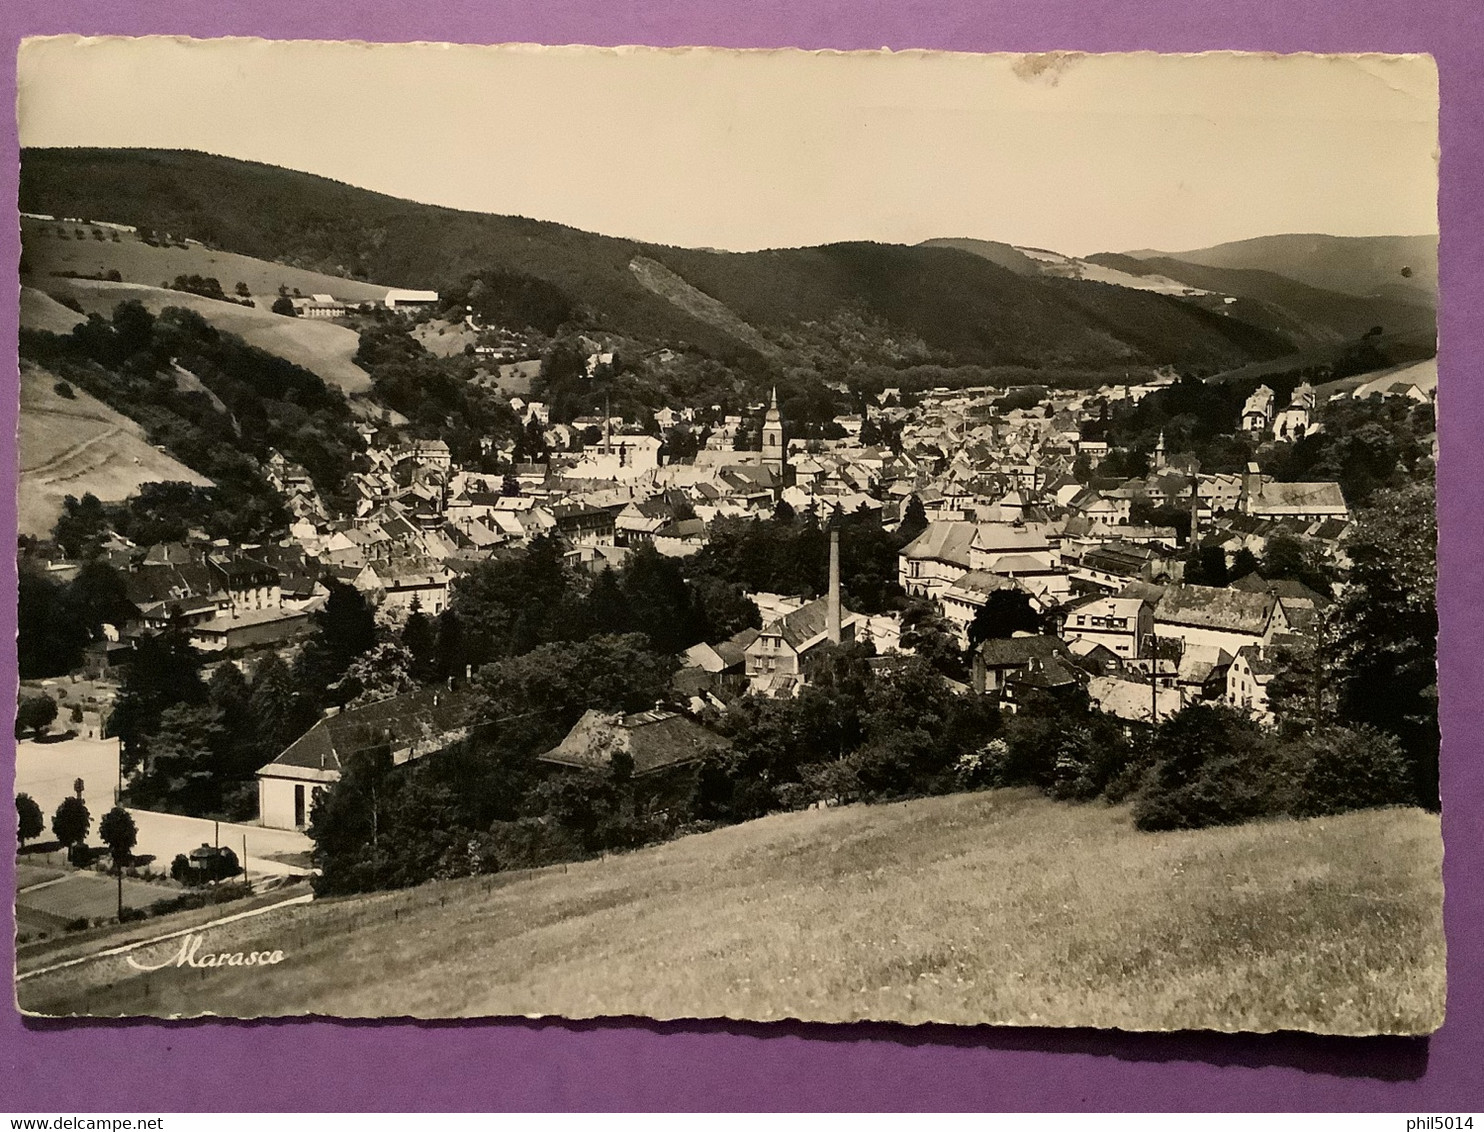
{"points": [[381, 641]]}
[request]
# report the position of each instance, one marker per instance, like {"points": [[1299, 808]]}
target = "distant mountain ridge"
{"points": [[1285, 305], [1350, 265], [967, 301], [1009, 257]]}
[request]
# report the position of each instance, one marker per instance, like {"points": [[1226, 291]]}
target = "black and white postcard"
{"points": [[916, 537]]}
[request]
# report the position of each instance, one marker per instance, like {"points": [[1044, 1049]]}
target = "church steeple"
{"points": [[775, 450]]}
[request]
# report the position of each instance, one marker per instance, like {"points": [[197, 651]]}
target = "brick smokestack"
{"points": [[832, 621]]}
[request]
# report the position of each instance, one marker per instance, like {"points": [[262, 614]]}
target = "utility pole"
{"points": [[1151, 642]]}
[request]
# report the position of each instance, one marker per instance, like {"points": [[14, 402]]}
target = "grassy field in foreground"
{"points": [[995, 907]]}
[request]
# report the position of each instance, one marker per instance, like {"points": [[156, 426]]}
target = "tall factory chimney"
{"points": [[832, 616]]}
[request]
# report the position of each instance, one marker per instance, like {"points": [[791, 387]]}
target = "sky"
{"points": [[745, 150]]}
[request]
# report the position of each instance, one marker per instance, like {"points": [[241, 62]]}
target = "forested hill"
{"points": [[957, 305]]}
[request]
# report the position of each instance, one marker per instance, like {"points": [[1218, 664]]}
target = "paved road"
{"points": [[165, 835], [46, 771]]}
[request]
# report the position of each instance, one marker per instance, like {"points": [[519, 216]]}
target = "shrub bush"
{"points": [[834, 782], [527, 843], [1349, 768], [1212, 765], [1058, 744]]}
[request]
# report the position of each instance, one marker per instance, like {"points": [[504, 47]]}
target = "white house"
{"points": [[1247, 681], [1122, 625]]}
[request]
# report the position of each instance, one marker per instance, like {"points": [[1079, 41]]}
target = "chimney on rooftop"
{"points": [[1251, 485], [832, 617]]}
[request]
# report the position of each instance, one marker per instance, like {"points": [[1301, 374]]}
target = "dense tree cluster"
{"points": [[1365, 446], [509, 605], [438, 396], [855, 733], [508, 299], [791, 556], [56, 621]]}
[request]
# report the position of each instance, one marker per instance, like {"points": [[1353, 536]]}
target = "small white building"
{"points": [[1247, 681], [399, 298]]}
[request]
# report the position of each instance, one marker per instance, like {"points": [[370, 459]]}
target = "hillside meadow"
{"points": [[1001, 907], [48, 254], [323, 348], [76, 445]]}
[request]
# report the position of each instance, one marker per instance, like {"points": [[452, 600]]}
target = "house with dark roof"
{"points": [[1055, 673], [408, 727], [581, 525], [248, 583], [653, 742], [1111, 566], [996, 660]]}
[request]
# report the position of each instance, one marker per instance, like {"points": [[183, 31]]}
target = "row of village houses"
{"points": [[1004, 510], [1010, 515]]}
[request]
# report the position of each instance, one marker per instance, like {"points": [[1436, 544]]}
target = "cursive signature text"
{"points": [[188, 956]]}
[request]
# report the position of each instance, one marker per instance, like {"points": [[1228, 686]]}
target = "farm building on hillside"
{"points": [[320, 306], [401, 299]]}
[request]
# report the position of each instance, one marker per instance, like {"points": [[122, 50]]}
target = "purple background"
{"points": [[298, 1066]]}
